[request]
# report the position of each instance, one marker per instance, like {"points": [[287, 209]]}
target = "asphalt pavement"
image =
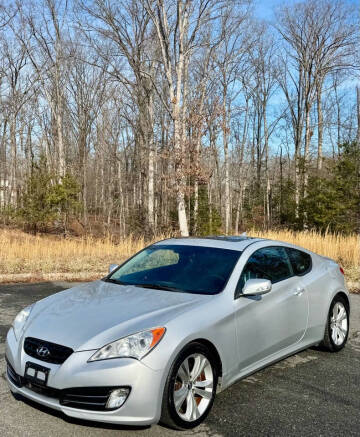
{"points": [[313, 393]]}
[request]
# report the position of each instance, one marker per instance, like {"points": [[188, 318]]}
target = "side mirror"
{"points": [[256, 287], [112, 267]]}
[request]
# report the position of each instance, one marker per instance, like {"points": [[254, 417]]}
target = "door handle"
{"points": [[299, 291]]}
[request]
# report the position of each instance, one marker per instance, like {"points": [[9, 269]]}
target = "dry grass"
{"points": [[38, 257], [24, 253], [345, 249]]}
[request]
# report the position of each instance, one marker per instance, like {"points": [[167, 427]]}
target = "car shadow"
{"points": [[74, 421]]}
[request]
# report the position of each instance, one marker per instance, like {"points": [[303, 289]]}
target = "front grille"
{"points": [[58, 354]]}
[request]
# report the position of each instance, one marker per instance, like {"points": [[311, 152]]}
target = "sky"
{"points": [[264, 9]]}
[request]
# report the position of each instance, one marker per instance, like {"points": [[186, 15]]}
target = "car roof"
{"points": [[233, 242]]}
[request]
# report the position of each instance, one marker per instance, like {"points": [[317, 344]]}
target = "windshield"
{"points": [[192, 269]]}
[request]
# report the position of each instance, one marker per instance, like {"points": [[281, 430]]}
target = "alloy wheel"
{"points": [[339, 324], [193, 388]]}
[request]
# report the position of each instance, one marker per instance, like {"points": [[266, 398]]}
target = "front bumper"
{"points": [[142, 407]]}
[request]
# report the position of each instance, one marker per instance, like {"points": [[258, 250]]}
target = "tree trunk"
{"points": [[196, 204], [281, 188], [306, 158], [180, 177], [59, 116], [297, 173], [307, 150], [226, 166], [151, 172], [238, 210], [196, 169], [151, 167], [179, 169], [3, 167], [320, 126], [358, 116], [266, 146], [13, 161]]}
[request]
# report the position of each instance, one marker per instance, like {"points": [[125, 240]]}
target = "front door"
{"points": [[274, 321]]}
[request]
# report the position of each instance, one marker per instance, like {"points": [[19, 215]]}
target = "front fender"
{"points": [[215, 324]]}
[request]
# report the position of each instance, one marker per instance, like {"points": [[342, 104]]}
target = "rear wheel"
{"points": [[337, 328], [190, 388]]}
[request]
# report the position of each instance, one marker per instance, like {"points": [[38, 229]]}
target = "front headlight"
{"points": [[20, 320], [133, 346]]}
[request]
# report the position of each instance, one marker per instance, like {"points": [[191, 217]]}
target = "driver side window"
{"points": [[270, 263]]}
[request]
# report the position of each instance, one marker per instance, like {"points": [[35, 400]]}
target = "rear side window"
{"points": [[300, 261]]}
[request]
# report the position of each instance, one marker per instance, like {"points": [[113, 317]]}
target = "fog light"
{"points": [[117, 398]]}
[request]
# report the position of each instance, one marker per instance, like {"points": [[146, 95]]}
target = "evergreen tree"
{"points": [[208, 220], [46, 198], [333, 202]]}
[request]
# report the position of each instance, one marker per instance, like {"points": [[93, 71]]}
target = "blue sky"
{"points": [[265, 8]]}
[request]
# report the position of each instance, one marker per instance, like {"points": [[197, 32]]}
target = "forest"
{"points": [[191, 117]]}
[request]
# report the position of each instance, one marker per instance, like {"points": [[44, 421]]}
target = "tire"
{"points": [[337, 325], [182, 406]]}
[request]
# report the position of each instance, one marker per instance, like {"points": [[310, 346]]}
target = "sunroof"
{"points": [[233, 238]]}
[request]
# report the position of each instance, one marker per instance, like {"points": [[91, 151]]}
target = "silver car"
{"points": [[180, 321]]}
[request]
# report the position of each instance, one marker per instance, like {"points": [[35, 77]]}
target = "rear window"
{"points": [[300, 261]]}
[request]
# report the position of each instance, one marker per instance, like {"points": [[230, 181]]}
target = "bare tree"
{"points": [[319, 39], [87, 91], [263, 86], [45, 46], [126, 26], [230, 62], [177, 27]]}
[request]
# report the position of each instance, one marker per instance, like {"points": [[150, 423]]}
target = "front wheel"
{"points": [[337, 328], [190, 388]]}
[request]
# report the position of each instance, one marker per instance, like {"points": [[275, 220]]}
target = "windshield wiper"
{"points": [[158, 287], [154, 286], [116, 281]]}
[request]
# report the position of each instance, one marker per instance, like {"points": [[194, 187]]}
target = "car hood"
{"points": [[94, 314]]}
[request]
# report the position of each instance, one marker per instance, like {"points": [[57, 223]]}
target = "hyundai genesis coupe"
{"points": [[180, 321]]}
